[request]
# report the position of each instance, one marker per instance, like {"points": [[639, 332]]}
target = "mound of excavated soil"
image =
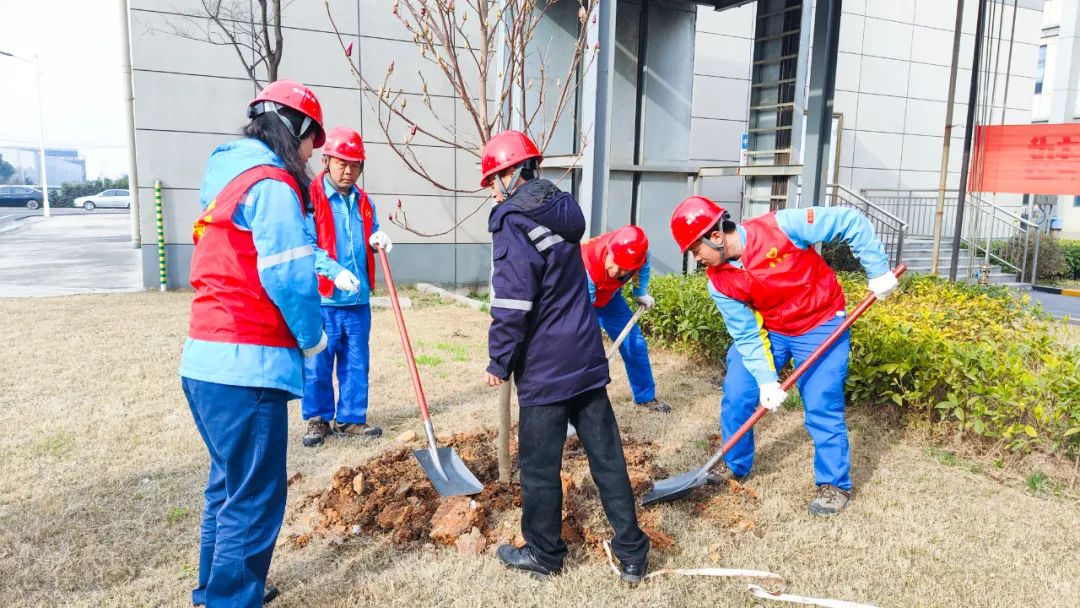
{"points": [[390, 495]]}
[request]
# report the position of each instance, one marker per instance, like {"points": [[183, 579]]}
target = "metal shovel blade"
{"points": [[674, 488], [448, 472]]}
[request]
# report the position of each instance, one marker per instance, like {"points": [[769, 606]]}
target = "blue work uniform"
{"points": [[346, 318], [634, 351], [757, 353], [238, 393]]}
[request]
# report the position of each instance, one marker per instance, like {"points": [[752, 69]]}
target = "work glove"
{"points": [[318, 348], [380, 239], [772, 396], [347, 281], [884, 285], [647, 302]]}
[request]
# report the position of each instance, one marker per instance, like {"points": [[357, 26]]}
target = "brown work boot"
{"points": [[721, 474], [356, 429], [656, 406], [830, 500], [317, 430]]}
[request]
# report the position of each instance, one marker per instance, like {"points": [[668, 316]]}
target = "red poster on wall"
{"points": [[1026, 159]]}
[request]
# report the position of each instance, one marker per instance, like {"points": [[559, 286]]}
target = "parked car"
{"points": [[118, 199], [21, 196]]}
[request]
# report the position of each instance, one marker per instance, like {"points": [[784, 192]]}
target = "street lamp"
{"points": [[41, 125]]}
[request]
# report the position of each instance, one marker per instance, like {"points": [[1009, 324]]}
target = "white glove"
{"points": [[380, 239], [884, 285], [646, 301], [347, 281], [318, 348], [772, 396]]}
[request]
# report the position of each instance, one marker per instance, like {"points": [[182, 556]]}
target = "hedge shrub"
{"points": [[969, 356], [1071, 250], [1053, 263]]}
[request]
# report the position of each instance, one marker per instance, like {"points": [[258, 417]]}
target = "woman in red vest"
{"points": [[254, 317], [780, 301]]}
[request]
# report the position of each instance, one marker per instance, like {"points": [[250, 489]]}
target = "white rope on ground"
{"points": [[755, 590]]}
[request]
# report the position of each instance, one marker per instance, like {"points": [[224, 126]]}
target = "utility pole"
{"points": [[939, 214], [973, 93], [129, 123]]}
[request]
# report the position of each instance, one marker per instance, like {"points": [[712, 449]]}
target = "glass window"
{"points": [[1040, 70]]}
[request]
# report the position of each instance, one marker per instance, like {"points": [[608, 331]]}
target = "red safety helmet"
{"points": [[505, 150], [629, 247], [693, 219], [290, 94], [344, 143]]}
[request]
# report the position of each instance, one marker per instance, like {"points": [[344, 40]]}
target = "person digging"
{"points": [[611, 260], [779, 301], [346, 231], [544, 331]]}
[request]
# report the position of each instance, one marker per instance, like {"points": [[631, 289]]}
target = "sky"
{"points": [[78, 44]]}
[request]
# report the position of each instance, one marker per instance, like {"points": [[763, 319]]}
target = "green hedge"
{"points": [[1071, 250], [67, 193], [969, 356]]}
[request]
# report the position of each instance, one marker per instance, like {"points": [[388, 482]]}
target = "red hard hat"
{"points": [[344, 143], [505, 150], [292, 94], [629, 247], [694, 218]]}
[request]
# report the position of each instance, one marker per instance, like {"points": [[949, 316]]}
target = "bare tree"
{"points": [[255, 35], [486, 52]]}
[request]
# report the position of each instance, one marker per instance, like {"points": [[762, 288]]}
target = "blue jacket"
{"points": [[543, 328], [274, 216], [830, 222], [351, 245]]}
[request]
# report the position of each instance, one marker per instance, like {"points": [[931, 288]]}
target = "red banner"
{"points": [[1026, 159]]}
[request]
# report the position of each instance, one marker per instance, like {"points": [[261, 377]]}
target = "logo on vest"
{"points": [[775, 257]]}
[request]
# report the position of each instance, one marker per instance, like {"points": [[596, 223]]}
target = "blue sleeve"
{"points": [[324, 264], [517, 269], [286, 257], [641, 287], [742, 324], [811, 225], [592, 289]]}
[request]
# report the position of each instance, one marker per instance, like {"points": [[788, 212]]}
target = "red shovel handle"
{"points": [[404, 333], [814, 356]]}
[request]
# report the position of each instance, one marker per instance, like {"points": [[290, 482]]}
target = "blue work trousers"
{"points": [[245, 431], [822, 392], [634, 351], [347, 331]]}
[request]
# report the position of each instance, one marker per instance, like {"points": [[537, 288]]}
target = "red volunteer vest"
{"points": [[793, 289], [327, 234], [593, 253], [230, 303]]}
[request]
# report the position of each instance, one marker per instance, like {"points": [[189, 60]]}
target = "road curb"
{"points": [[1061, 291]]}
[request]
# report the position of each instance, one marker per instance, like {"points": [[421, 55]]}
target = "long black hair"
{"points": [[271, 130]]}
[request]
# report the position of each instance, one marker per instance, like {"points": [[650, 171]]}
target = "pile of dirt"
{"points": [[390, 495]]}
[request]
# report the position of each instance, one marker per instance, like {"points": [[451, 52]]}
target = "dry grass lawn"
{"points": [[101, 472]]}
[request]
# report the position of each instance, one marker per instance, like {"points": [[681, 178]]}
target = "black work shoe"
{"points": [[830, 500], [317, 431], [522, 559], [720, 475], [270, 593], [656, 406], [633, 573], [356, 429]]}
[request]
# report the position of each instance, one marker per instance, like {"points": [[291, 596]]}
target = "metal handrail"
{"points": [[868, 203], [892, 228]]}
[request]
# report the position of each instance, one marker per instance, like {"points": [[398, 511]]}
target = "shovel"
{"points": [[674, 488], [445, 469]]}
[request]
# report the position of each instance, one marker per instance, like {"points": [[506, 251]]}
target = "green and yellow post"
{"points": [[162, 277]]}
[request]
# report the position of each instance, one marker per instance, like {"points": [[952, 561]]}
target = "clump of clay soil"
{"points": [[390, 496]]}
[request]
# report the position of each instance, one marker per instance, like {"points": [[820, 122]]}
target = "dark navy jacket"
{"points": [[543, 327]]}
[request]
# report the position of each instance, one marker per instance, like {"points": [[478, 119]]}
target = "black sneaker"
{"points": [[633, 573], [720, 475], [523, 559], [830, 500], [656, 406], [270, 593], [317, 431], [356, 429]]}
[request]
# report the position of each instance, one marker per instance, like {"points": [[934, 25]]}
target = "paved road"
{"points": [[69, 253], [1059, 306]]}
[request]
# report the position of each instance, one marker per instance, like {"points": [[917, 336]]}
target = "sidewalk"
{"points": [[68, 254]]}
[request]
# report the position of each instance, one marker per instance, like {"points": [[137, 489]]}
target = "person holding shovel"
{"points": [[544, 331], [780, 300], [611, 260], [254, 316], [346, 233]]}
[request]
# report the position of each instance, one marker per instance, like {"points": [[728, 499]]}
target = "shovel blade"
{"points": [[449, 475], [674, 488]]}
